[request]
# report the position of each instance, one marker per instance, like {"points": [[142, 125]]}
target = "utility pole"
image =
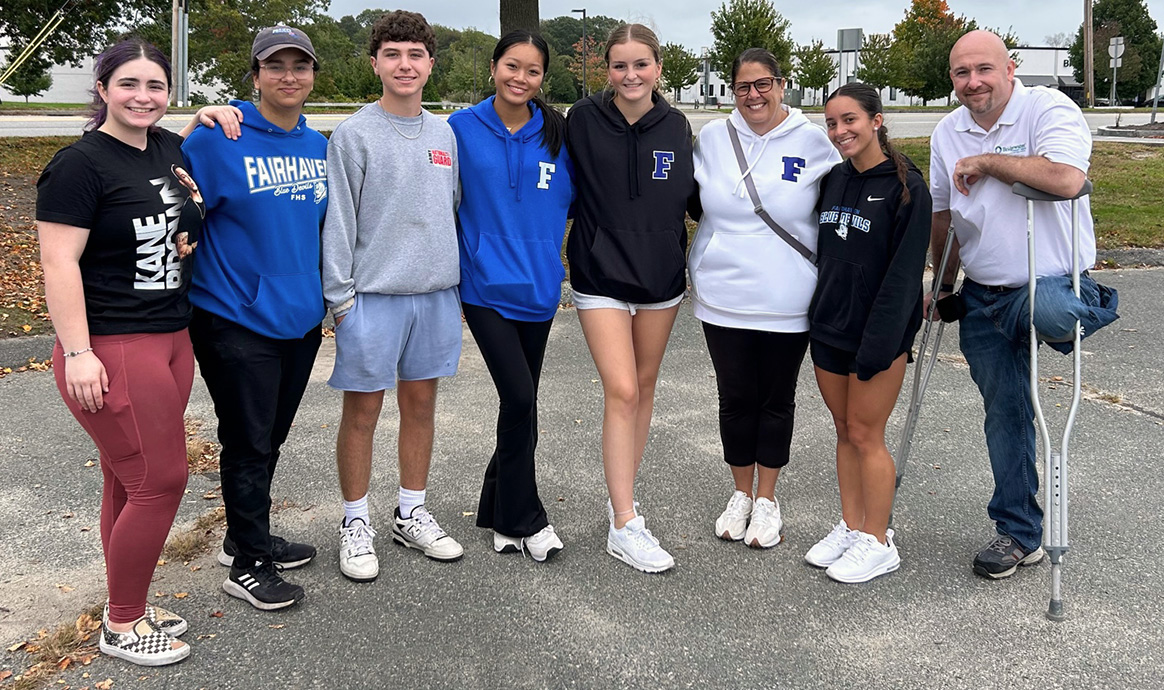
{"points": [[1159, 77], [1088, 55], [179, 52], [585, 90]]}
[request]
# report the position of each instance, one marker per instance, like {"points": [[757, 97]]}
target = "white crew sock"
{"points": [[357, 509], [409, 500]]}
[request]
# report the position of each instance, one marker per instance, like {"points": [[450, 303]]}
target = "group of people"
{"points": [[807, 241]]}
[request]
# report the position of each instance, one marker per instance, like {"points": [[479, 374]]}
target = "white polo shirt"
{"points": [[991, 222]]}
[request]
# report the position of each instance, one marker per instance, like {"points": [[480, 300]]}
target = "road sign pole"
{"points": [[1159, 78]]}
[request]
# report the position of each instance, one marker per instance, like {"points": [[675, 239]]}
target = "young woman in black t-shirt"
{"points": [[114, 225]]}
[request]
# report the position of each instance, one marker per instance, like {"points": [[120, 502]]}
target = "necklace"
{"points": [[419, 130]]}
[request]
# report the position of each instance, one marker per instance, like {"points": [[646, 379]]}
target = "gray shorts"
{"points": [[584, 301], [385, 338]]}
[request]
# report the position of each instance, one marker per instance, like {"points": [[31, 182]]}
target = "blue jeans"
{"points": [[995, 338]]}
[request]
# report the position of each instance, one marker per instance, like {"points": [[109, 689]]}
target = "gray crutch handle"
{"points": [[1032, 194]]}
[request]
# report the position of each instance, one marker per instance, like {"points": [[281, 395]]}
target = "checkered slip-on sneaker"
{"points": [[144, 645], [167, 621]]}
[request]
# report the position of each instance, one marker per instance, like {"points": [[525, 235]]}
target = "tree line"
{"points": [[913, 57]]}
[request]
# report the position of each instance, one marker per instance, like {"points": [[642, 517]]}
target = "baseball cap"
{"points": [[275, 38]]}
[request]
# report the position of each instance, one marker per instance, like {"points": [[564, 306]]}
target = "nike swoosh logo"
{"points": [[876, 198]]}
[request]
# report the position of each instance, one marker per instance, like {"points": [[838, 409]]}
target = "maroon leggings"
{"points": [[140, 433]]}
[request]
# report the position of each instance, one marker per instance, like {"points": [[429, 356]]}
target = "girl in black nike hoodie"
{"points": [[874, 226], [634, 174]]}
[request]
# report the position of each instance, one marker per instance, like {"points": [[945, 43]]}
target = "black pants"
{"points": [[256, 383], [755, 372], [513, 351]]}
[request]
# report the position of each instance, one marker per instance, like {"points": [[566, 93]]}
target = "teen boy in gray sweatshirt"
{"points": [[390, 274]]}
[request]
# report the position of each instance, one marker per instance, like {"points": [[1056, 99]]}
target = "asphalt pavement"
{"points": [[726, 617]]}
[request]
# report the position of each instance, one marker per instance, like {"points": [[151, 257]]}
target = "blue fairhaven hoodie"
{"points": [[515, 198], [257, 263]]}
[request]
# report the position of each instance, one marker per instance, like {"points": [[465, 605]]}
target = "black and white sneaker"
{"points": [[262, 586], [287, 554], [144, 645], [1002, 557]]}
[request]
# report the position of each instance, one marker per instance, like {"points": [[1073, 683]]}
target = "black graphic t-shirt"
{"points": [[134, 203]]}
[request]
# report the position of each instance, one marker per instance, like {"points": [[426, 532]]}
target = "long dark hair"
{"points": [[116, 55], [554, 123], [870, 101]]}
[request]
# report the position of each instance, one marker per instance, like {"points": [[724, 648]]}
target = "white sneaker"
{"points": [[357, 556], [866, 559], [543, 544], [421, 531], [828, 550], [144, 645], [637, 547], [766, 528], [504, 544], [734, 519]]}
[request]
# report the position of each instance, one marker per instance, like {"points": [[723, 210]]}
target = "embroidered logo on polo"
{"points": [[845, 217], [1012, 150], [158, 266], [441, 159], [663, 161]]}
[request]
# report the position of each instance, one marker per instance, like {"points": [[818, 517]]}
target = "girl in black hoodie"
{"points": [[874, 230], [634, 173]]}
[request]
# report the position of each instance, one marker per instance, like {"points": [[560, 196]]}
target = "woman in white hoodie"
{"points": [[751, 283]]}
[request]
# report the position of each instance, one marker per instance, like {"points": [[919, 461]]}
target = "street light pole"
{"points": [[1088, 55], [584, 57]]}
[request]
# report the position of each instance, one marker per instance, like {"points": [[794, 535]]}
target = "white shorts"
{"points": [[583, 301]]}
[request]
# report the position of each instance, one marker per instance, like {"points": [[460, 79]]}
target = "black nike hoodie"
{"points": [[633, 183], [872, 252]]}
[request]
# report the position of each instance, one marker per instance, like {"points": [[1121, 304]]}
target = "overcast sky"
{"points": [[687, 21]]}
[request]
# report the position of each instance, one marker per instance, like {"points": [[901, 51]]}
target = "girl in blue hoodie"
{"points": [[258, 300], [516, 190]]}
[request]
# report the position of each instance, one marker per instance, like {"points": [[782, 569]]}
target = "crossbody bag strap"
{"points": [[758, 207]]}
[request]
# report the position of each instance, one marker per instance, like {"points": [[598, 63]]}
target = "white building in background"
{"points": [[1038, 66]]}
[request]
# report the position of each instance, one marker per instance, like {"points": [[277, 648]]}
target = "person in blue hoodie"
{"points": [[258, 300], [516, 191], [875, 213]]}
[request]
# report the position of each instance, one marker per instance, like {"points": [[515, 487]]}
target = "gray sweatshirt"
{"points": [[390, 226]]}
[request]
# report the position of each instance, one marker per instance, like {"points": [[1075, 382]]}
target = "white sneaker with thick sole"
{"points": [[866, 559], [637, 547], [144, 645], [542, 545], [766, 528], [732, 523], [829, 550], [421, 531], [504, 544], [357, 556]]}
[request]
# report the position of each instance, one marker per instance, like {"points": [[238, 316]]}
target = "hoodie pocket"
{"points": [[641, 267], [842, 301], [286, 306], [518, 272], [753, 274]]}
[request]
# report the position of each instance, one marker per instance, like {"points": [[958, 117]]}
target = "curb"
{"points": [[15, 352], [1130, 132]]}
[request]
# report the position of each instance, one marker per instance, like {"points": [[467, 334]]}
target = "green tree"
{"points": [[875, 68], [814, 67], [32, 78], [742, 24], [560, 86], [468, 80], [518, 14], [680, 68], [1130, 19], [84, 31], [920, 52]]}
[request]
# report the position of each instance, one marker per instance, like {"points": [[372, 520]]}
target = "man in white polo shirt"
{"points": [[1006, 133]]}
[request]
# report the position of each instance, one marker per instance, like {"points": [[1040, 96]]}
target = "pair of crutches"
{"points": [[1055, 468]]}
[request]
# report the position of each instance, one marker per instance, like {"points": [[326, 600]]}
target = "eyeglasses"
{"points": [[741, 88], [278, 70]]}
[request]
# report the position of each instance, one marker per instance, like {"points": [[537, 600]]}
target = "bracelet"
{"points": [[78, 352], [946, 287]]}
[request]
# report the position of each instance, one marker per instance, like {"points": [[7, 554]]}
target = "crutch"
{"points": [[923, 369], [1055, 473]]}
